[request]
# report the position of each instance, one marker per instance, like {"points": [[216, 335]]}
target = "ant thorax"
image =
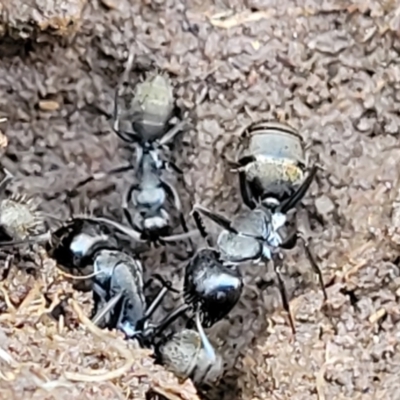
{"points": [[158, 163], [274, 239], [150, 162], [278, 221]]}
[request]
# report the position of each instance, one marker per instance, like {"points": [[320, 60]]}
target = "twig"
{"points": [[376, 316], [79, 277], [88, 377], [240, 19], [7, 300], [30, 297], [353, 270], [91, 375], [5, 356]]}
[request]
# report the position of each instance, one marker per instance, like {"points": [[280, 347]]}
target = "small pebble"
{"points": [[49, 105], [324, 205]]}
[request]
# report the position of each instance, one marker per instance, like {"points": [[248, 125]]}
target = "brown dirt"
{"points": [[330, 68], [40, 19]]}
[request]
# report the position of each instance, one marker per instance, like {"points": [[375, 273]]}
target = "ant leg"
{"points": [[98, 176], [128, 67], [180, 236], [222, 221], [206, 345], [202, 229], [167, 286], [130, 137], [179, 127], [132, 233], [7, 266], [290, 242], [186, 230], [282, 289], [42, 238], [171, 317], [139, 154], [237, 166], [208, 348], [126, 136], [126, 200], [97, 300], [155, 303], [233, 165], [299, 193], [106, 308], [314, 264], [217, 218], [169, 165], [246, 191], [99, 296], [6, 179], [151, 279], [159, 278], [240, 164], [204, 339], [177, 202]]}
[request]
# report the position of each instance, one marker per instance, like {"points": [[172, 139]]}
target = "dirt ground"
{"points": [[329, 68]]}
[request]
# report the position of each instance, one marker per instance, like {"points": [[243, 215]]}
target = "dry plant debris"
{"points": [[3, 137], [41, 357], [227, 20]]}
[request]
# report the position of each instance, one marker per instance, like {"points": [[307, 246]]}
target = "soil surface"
{"points": [[330, 69]]}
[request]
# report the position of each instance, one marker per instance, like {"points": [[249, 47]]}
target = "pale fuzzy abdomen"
{"points": [[155, 97], [152, 106], [183, 352], [20, 218], [178, 353]]}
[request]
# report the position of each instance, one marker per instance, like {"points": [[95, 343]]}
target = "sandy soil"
{"points": [[330, 68]]}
